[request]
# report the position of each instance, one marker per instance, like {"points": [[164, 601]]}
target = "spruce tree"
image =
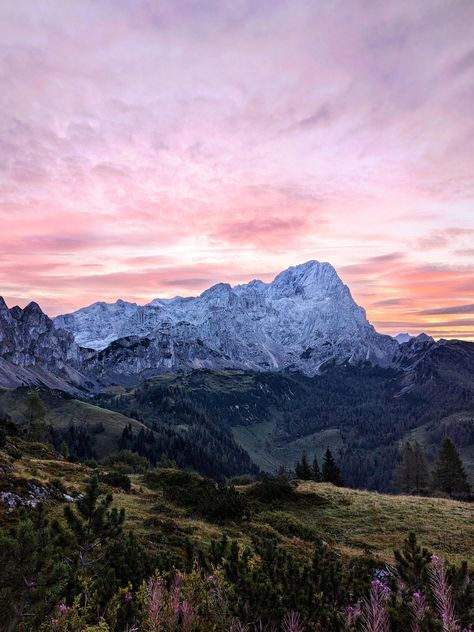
{"points": [[303, 469], [411, 475], [449, 475], [316, 471], [331, 472]]}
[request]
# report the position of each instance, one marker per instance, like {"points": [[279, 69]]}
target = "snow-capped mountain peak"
{"points": [[303, 319]]}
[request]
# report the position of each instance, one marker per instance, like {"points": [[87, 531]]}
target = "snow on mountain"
{"points": [[402, 338], [305, 318]]}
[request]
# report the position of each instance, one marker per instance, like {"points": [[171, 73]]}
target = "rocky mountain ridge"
{"points": [[304, 319]]}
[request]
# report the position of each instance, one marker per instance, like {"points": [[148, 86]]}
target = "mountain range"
{"points": [[304, 320], [238, 376]]}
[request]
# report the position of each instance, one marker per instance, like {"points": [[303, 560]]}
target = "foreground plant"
{"points": [[375, 609]]}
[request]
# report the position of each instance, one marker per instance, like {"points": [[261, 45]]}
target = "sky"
{"points": [[154, 148]]}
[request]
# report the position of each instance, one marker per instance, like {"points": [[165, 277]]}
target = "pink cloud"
{"points": [[151, 148]]}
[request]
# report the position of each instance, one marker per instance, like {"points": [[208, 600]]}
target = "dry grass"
{"points": [[353, 521], [356, 520]]}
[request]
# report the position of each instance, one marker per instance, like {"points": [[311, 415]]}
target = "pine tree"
{"points": [[33, 571], [449, 475], [93, 523], [316, 474], [331, 472], [412, 562], [303, 468], [412, 475]]}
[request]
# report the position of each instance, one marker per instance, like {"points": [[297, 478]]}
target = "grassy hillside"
{"points": [[62, 411], [352, 521]]}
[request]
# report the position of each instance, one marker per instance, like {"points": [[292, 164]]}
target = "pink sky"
{"points": [[152, 148]]}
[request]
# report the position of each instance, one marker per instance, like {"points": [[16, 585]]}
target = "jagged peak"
{"points": [[219, 289], [33, 308]]}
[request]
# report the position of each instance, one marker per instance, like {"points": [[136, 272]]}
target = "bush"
{"points": [[273, 488], [127, 462], [200, 494], [116, 479]]}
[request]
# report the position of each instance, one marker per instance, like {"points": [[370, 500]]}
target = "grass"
{"points": [[63, 411], [356, 520], [352, 521]]}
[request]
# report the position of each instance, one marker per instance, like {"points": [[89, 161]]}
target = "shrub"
{"points": [[273, 488], [127, 462], [216, 503], [116, 479]]}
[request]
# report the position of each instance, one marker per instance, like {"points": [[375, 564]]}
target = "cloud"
{"points": [[454, 309], [160, 147]]}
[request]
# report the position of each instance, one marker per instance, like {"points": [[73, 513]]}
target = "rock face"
{"points": [[304, 319], [34, 351]]}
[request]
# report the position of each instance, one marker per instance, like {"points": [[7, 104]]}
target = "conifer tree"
{"points": [[93, 523], [303, 468], [412, 475], [412, 562], [32, 571], [449, 475], [331, 472], [316, 474]]}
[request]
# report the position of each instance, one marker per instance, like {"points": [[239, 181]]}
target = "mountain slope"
{"points": [[304, 319], [34, 351], [363, 413]]}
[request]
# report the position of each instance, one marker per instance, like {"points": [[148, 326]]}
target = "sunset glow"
{"points": [[155, 148]]}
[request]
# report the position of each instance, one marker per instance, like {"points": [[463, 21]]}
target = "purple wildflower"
{"points": [[442, 594], [187, 616], [292, 623], [375, 611], [418, 608]]}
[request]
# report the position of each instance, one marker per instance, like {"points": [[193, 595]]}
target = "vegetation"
{"points": [[355, 411], [412, 475], [180, 552], [449, 474], [329, 474]]}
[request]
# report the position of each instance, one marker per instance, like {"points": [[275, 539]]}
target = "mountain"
{"points": [[304, 320], [363, 413], [34, 351], [402, 338]]}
